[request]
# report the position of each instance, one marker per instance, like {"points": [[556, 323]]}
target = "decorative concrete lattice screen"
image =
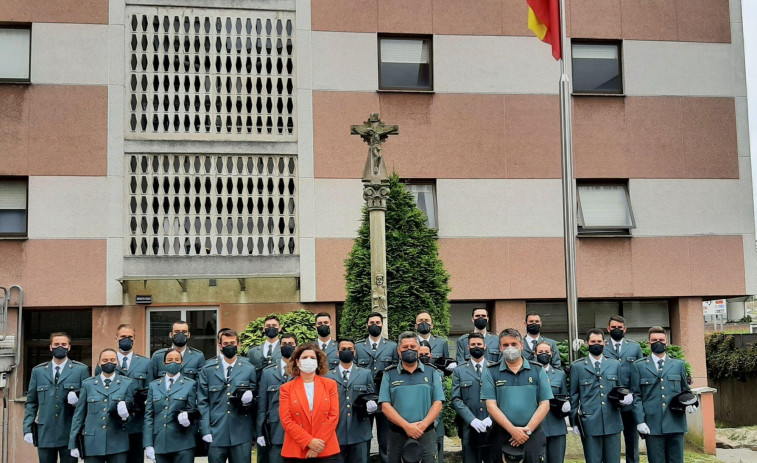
{"points": [[219, 205], [210, 74]]}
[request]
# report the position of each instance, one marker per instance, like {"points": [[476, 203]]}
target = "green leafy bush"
{"points": [[301, 323], [726, 361], [448, 412]]}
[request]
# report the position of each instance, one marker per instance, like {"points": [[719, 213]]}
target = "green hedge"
{"points": [[673, 351], [301, 323], [726, 361]]}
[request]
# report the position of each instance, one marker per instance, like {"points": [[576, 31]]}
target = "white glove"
{"points": [[371, 406], [576, 431], [75, 454], [691, 408], [627, 400], [487, 421], [71, 398], [246, 397], [452, 366], [123, 412], [28, 438], [208, 438], [183, 419], [150, 453], [643, 428], [261, 441], [478, 425], [566, 407]]}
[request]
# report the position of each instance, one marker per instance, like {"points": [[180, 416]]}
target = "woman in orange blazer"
{"points": [[309, 409]]}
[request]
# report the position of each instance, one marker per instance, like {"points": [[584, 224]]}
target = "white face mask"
{"points": [[511, 353], [308, 365]]}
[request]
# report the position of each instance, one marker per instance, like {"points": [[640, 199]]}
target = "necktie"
{"points": [[617, 349], [597, 367], [57, 373], [107, 383], [124, 365], [478, 370], [346, 375], [270, 350], [375, 346], [533, 343], [228, 371], [323, 347], [660, 365], [170, 384]]}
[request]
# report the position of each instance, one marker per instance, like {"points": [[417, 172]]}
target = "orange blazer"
{"points": [[301, 425]]}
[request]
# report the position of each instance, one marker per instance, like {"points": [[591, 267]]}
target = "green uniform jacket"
{"points": [[351, 428], [47, 402], [491, 352], [260, 361], [439, 421], [528, 352], [227, 424], [140, 372], [411, 395], [518, 395], [653, 393], [466, 392], [331, 352], [268, 403], [589, 390], [439, 346], [104, 434], [162, 431], [379, 359], [552, 425], [191, 362]]}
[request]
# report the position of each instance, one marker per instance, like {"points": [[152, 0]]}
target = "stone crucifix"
{"points": [[375, 192]]}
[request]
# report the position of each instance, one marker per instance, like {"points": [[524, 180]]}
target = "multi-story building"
{"points": [[198, 152]]}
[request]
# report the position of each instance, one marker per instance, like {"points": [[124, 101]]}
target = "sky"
{"points": [[749, 16]]}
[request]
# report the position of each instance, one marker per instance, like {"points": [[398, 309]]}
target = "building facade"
{"points": [[198, 152]]}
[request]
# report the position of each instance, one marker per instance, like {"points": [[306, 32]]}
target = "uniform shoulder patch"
{"points": [[192, 349], [74, 362], [41, 365], [494, 364]]}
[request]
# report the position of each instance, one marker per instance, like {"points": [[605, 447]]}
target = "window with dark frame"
{"points": [[604, 208], [597, 67], [13, 207], [405, 63], [39, 324], [15, 53]]}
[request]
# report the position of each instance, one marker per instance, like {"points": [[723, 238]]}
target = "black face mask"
{"points": [[271, 332], [108, 368], [533, 328], [476, 352], [424, 328], [125, 344], [617, 334], [374, 330], [229, 351], [596, 349], [60, 352], [658, 347], [287, 351], [410, 356], [544, 359], [480, 323], [324, 330], [180, 339], [346, 356], [425, 359]]}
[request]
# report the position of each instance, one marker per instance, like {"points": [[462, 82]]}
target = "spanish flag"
{"points": [[544, 20]]}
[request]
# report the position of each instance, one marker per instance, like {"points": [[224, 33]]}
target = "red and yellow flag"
{"points": [[544, 20]]}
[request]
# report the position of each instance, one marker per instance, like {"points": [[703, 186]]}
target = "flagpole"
{"points": [[568, 188]]}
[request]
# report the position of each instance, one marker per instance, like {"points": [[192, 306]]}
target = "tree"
{"points": [[416, 278]]}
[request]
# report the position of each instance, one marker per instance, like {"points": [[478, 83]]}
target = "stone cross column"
{"points": [[375, 192]]}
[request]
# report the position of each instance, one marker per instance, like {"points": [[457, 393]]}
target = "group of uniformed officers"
{"points": [[512, 401]]}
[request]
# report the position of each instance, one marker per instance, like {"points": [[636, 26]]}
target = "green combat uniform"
{"points": [[518, 395], [47, 401], [653, 391], [105, 436], [627, 352], [600, 418], [555, 428], [172, 442], [411, 395]]}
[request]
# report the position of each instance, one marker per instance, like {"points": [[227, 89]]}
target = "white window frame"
{"points": [[28, 78], [623, 230], [183, 316], [432, 184]]}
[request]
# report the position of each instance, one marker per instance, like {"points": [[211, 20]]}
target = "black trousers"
{"points": [[396, 440], [382, 431], [534, 449], [183, 456], [112, 458], [328, 459], [51, 455], [136, 453], [630, 436]]}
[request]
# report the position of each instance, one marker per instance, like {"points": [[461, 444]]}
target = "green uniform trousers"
{"points": [[112, 458], [241, 453], [183, 456], [396, 439], [354, 453], [630, 436], [534, 449], [556, 449], [602, 449], [473, 454], [51, 455], [667, 448]]}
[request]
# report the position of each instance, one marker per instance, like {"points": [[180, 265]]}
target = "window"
{"points": [[210, 74], [211, 205], [604, 209], [597, 68], [13, 200], [39, 324], [405, 63], [15, 53], [203, 325], [425, 199]]}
